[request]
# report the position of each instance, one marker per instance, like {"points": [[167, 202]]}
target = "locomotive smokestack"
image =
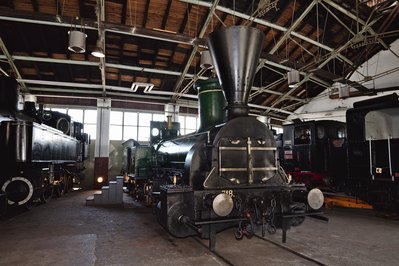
{"points": [[235, 52]]}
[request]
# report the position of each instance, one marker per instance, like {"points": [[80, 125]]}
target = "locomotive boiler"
{"points": [[226, 174], [40, 151]]}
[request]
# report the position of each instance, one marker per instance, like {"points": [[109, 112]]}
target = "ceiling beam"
{"points": [[357, 19], [120, 91], [95, 64], [332, 55], [44, 19], [265, 23], [194, 50], [288, 32], [10, 60], [89, 88]]}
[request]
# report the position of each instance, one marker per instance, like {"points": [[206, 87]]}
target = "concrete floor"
{"points": [[66, 232]]}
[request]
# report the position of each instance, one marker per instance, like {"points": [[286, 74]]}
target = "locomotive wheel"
{"points": [[47, 190], [19, 190], [47, 194], [58, 190], [238, 234], [28, 205]]}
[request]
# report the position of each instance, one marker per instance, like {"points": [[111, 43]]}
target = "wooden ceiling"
{"points": [[160, 41]]}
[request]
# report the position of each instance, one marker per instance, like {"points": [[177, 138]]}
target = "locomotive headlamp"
{"points": [[100, 179], [222, 204], [315, 199]]}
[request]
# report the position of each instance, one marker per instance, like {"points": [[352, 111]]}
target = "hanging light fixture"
{"points": [[293, 78], [206, 60], [77, 40], [98, 51]]}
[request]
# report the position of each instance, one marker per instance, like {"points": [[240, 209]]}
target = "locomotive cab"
{"points": [[314, 152]]}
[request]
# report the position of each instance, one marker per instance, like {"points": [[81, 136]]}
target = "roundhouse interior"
{"points": [[165, 124]]}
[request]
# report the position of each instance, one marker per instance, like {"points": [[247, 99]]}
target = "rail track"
{"points": [[274, 253]]}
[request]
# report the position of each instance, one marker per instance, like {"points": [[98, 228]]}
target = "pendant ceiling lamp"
{"points": [[77, 40], [206, 60], [293, 78], [98, 51]]}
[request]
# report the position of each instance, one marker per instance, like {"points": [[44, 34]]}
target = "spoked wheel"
{"points": [[47, 194], [28, 205], [63, 185], [19, 191], [58, 190]]}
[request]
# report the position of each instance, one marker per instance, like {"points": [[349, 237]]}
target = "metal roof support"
{"points": [[195, 48], [333, 55], [364, 23], [127, 97], [42, 19], [259, 90], [270, 109], [288, 32], [91, 88], [119, 91], [311, 78], [11, 62], [358, 19], [337, 18], [89, 63], [265, 23], [140, 69]]}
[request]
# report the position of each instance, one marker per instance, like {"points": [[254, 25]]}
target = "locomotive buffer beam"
{"points": [[195, 225]]}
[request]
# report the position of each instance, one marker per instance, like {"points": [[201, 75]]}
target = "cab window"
{"points": [[302, 135]]}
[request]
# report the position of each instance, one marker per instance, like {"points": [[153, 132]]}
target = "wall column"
{"points": [[101, 149]]}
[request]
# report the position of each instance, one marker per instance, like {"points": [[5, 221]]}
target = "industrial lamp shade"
{"points": [[206, 60], [98, 51], [293, 78], [77, 41]]}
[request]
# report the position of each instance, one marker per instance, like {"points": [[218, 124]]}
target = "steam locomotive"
{"points": [[315, 152], [360, 157], [226, 174], [41, 152]]}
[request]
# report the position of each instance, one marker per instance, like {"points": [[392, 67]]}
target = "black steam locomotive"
{"points": [[41, 152], [373, 151], [314, 152], [227, 174], [360, 157]]}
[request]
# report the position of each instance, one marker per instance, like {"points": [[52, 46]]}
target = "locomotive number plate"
{"points": [[228, 192]]}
